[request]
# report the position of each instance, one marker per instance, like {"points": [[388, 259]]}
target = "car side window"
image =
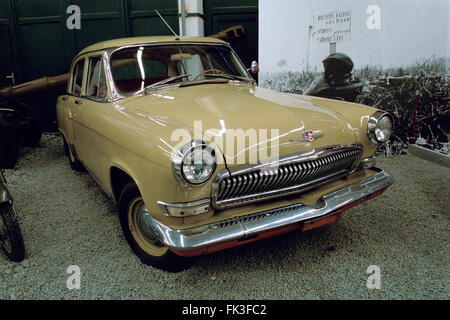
{"points": [[77, 77], [96, 81]]}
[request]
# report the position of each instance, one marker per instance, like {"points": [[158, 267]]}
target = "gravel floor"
{"points": [[67, 220]]}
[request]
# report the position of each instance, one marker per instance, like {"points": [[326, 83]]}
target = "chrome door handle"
{"points": [[78, 102], [64, 98]]}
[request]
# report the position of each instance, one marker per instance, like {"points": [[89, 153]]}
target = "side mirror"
{"points": [[254, 68]]}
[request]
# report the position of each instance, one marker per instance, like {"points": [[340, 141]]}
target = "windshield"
{"points": [[134, 69]]}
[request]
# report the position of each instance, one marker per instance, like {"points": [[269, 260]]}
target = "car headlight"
{"points": [[380, 127], [195, 165]]}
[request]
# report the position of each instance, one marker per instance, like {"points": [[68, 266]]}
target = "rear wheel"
{"points": [[11, 241], [144, 243]]}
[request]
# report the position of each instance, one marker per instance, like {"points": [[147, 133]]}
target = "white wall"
{"points": [[411, 30]]}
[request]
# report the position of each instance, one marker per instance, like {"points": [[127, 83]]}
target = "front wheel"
{"points": [[11, 241], [144, 243]]}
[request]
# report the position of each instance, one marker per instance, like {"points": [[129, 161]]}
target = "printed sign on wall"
{"points": [[332, 27]]}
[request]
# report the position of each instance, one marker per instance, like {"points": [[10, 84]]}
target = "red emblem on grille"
{"points": [[309, 134]]}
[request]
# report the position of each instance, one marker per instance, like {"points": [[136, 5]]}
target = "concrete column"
{"points": [[195, 25]]}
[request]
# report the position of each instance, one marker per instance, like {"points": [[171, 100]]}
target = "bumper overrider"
{"points": [[257, 226]]}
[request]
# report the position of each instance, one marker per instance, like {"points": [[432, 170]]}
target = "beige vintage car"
{"points": [[198, 158]]}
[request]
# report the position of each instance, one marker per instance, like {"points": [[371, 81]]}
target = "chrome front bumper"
{"points": [[245, 227]]}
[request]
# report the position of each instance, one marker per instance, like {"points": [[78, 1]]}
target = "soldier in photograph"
{"points": [[336, 80]]}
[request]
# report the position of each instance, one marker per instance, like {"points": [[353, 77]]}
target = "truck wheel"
{"points": [[143, 242], [11, 241]]}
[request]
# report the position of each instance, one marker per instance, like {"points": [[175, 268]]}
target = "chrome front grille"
{"points": [[288, 175]]}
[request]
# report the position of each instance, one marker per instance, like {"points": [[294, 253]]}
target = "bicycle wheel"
{"points": [[11, 240]]}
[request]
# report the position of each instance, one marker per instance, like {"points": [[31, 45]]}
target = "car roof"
{"points": [[145, 40]]}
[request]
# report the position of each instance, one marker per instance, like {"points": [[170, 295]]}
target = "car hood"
{"points": [[248, 123]]}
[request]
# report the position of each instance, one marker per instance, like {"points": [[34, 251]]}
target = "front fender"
{"points": [[357, 115]]}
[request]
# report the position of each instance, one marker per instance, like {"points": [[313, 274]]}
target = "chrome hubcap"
{"points": [[141, 213], [141, 231]]}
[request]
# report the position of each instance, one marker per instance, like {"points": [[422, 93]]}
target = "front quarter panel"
{"points": [[142, 148]]}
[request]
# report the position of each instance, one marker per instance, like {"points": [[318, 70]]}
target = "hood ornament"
{"points": [[308, 136]]}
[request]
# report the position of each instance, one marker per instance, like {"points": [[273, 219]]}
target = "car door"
{"points": [[65, 107], [83, 117], [90, 111]]}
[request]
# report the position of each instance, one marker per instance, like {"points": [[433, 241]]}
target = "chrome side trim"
{"points": [[243, 227]]}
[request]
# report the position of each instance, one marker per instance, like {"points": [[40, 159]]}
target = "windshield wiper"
{"points": [[162, 82], [228, 76]]}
